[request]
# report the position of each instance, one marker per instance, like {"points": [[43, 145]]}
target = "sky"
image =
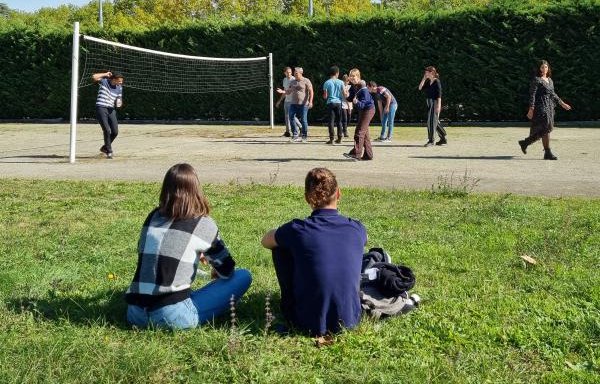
{"points": [[33, 5]]}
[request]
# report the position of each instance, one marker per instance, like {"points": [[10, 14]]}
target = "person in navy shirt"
{"points": [[362, 99], [318, 260]]}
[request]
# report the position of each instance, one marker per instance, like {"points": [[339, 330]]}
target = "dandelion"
{"points": [[111, 276]]}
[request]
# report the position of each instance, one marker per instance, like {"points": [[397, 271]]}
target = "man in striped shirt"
{"points": [[110, 97]]}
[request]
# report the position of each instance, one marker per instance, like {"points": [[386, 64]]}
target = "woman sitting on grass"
{"points": [[175, 237]]}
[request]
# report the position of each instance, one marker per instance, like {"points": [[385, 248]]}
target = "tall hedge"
{"points": [[485, 58]]}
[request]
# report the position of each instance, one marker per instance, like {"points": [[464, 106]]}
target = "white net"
{"points": [[157, 71]]}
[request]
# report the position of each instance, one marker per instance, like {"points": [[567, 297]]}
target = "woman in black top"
{"points": [[542, 101], [433, 90]]}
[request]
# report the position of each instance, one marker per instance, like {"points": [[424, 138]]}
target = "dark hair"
{"points": [[372, 83], [433, 70], [538, 72], [181, 196], [334, 70], [345, 77], [117, 75], [320, 186], [286, 68]]}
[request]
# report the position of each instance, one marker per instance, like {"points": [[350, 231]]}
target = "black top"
{"points": [[433, 91]]}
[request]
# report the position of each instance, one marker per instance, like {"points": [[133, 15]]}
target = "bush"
{"points": [[485, 57]]}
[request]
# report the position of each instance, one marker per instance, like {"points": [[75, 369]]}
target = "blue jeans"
{"points": [[302, 111], [288, 122], [203, 305], [387, 122]]}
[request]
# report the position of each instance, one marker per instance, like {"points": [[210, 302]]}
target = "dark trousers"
{"points": [[335, 118], [345, 120], [284, 270], [107, 117], [361, 135], [433, 122]]}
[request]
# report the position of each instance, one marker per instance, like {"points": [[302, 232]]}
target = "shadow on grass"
{"points": [[108, 307]]}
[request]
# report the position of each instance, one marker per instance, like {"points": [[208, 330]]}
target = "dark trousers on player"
{"points": [[335, 118], [345, 120], [283, 262], [433, 122], [361, 135], [107, 117]]}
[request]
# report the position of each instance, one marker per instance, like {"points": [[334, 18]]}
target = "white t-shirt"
{"points": [[286, 85]]}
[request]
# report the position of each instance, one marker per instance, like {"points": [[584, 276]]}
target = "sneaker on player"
{"points": [[350, 156], [329, 141], [442, 141], [339, 140], [295, 139], [429, 144], [103, 149], [286, 134], [109, 155], [304, 139]]}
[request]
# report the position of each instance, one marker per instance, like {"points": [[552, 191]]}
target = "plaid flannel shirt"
{"points": [[168, 256]]}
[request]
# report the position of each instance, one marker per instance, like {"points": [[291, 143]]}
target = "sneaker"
{"points": [[351, 157], [286, 134], [442, 141], [103, 149], [345, 134], [304, 139], [416, 299], [380, 139], [295, 140], [389, 139], [429, 144], [338, 141], [109, 155], [329, 142]]}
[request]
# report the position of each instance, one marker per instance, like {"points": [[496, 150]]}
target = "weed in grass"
{"points": [[449, 186], [268, 313]]}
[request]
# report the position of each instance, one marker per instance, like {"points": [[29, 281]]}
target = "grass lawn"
{"points": [[68, 251]]}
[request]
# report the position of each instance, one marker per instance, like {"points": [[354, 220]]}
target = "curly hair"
{"points": [[320, 186]]}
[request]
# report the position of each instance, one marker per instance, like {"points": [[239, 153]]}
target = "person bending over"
{"points": [[318, 260], [175, 237]]}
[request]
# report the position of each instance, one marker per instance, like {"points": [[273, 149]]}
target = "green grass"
{"points": [[485, 317]]}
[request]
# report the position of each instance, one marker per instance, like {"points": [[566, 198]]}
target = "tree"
{"points": [[4, 10]]}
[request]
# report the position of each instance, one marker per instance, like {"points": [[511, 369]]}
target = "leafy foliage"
{"points": [[485, 56]]}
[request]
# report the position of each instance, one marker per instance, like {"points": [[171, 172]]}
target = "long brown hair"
{"points": [[538, 71], [433, 70], [320, 187], [181, 196]]}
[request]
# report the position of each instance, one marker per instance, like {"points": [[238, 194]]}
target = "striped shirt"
{"points": [[107, 94]]}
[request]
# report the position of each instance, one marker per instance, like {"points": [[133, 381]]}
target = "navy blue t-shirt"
{"points": [[327, 249]]}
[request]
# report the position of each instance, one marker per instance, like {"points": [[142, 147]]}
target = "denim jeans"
{"points": [[203, 305], [302, 111], [288, 122], [387, 122]]}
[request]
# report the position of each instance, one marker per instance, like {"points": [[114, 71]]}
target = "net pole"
{"points": [[74, 90], [271, 90]]}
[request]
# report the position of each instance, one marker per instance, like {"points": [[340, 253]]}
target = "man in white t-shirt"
{"points": [[287, 101]]}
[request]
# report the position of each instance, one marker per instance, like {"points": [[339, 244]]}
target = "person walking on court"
{"points": [[542, 101], [362, 99], [333, 93], [287, 101], [110, 97], [301, 90], [387, 106], [430, 83], [175, 237], [318, 261]]}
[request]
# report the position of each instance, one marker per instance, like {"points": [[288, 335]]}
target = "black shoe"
{"points": [[103, 149], [286, 134], [329, 141], [442, 141], [523, 144], [345, 134], [548, 155], [109, 155], [339, 140], [351, 157], [428, 144]]}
